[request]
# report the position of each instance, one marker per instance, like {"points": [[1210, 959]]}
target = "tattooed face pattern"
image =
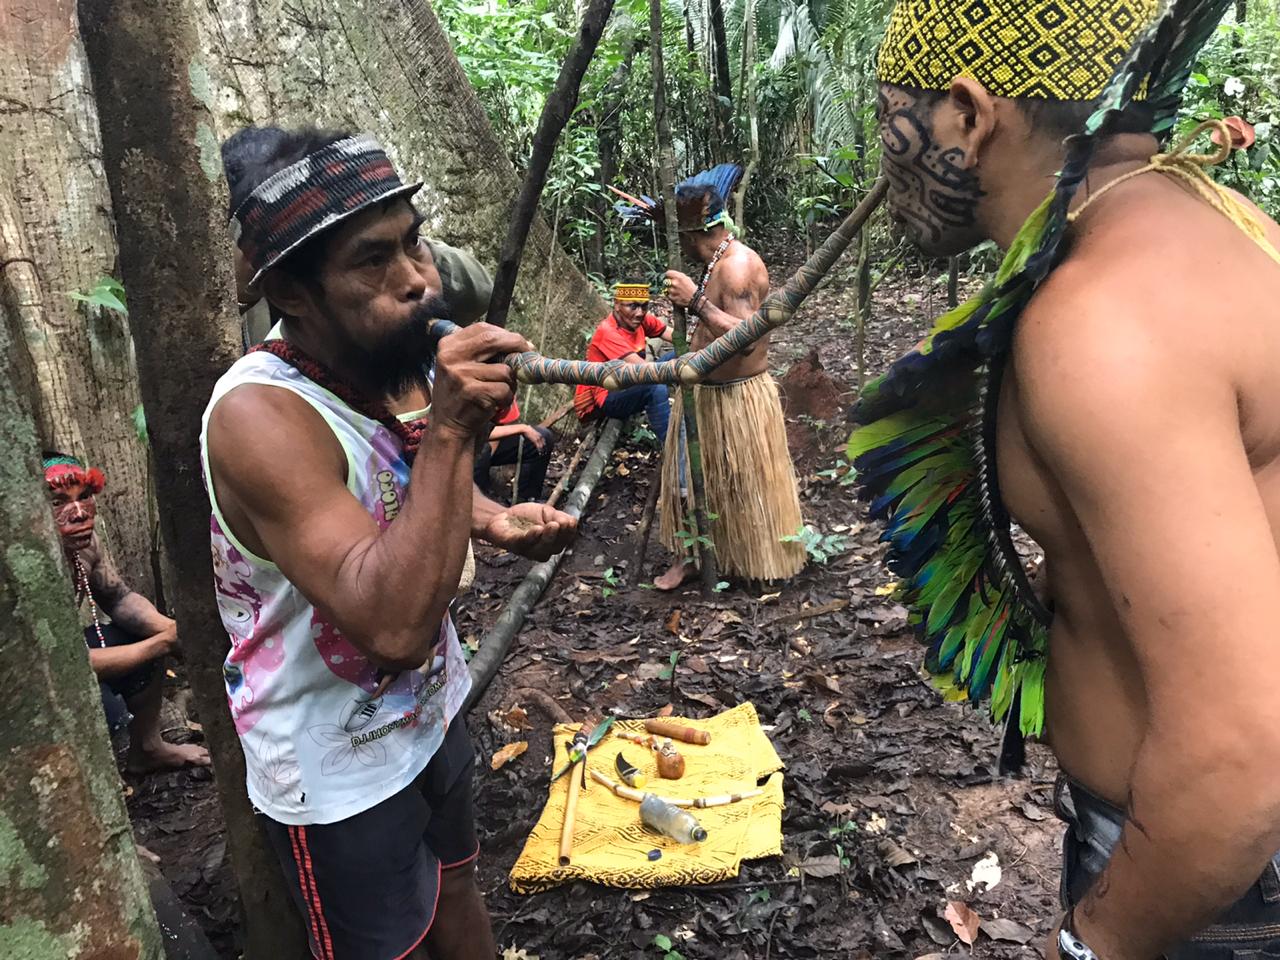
{"points": [[933, 197]]}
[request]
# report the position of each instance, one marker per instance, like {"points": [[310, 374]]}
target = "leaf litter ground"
{"points": [[899, 841]]}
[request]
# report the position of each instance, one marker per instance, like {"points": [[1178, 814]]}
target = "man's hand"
{"points": [[469, 390], [532, 530], [680, 288], [532, 435], [166, 641]]}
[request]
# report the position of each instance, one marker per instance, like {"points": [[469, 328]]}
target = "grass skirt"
{"points": [[750, 480]]}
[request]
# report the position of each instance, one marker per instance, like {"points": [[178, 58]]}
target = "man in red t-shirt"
{"points": [[510, 442], [622, 336]]}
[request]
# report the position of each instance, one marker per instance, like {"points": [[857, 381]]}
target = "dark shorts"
{"points": [[118, 690], [367, 886], [1249, 930]]}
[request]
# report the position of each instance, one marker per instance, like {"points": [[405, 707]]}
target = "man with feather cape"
{"points": [[1113, 391]]}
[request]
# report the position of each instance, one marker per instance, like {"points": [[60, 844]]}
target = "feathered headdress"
{"points": [[930, 473], [698, 209], [62, 470]]}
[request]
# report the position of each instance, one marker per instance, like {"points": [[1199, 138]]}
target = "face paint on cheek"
{"points": [[932, 192]]}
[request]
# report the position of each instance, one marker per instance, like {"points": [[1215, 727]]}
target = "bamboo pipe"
{"points": [[678, 731], [777, 310], [570, 814], [700, 803]]}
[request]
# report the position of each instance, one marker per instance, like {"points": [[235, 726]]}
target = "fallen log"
{"points": [[493, 648]]}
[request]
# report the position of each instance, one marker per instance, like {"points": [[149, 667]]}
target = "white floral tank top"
{"points": [[319, 747]]}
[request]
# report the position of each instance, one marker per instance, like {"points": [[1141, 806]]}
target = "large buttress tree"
{"points": [[73, 359], [387, 66]]}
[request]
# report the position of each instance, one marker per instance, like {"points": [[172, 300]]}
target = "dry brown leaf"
{"points": [[518, 718], [843, 810], [673, 623], [1008, 930], [706, 699], [894, 855], [508, 753], [820, 681], [666, 711], [819, 867], [963, 921]]}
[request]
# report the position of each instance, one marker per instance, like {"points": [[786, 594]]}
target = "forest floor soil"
{"points": [[893, 809]]}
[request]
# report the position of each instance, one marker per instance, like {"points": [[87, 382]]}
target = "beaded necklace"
{"points": [[410, 434], [83, 592], [711, 265]]}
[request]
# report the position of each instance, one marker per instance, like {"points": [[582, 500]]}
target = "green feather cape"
{"points": [[925, 454]]}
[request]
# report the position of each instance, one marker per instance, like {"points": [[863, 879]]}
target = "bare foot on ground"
{"points": [[675, 577], [145, 854], [167, 756]]}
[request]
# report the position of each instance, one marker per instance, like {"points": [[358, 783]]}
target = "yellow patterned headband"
{"points": [[631, 292], [1043, 49]]}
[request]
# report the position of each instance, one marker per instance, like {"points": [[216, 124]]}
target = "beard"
{"points": [[401, 357]]}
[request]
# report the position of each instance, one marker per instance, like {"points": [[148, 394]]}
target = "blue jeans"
{"points": [[651, 398], [1249, 930]]}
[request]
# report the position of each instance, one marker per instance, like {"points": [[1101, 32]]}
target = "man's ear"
{"points": [[972, 115], [287, 294]]}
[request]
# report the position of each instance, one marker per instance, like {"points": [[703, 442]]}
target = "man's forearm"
{"points": [[401, 585], [483, 510], [137, 615], [1199, 834], [108, 663]]}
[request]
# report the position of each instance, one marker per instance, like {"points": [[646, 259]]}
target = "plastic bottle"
{"points": [[680, 825]]}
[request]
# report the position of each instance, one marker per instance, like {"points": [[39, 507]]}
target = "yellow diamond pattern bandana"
{"points": [[1045, 49]]}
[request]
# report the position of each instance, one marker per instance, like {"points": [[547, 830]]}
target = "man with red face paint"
{"points": [[127, 650]]}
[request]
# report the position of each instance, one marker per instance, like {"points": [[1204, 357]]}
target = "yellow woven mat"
{"points": [[611, 846]]}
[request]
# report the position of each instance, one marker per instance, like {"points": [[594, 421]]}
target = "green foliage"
{"points": [[819, 546], [1239, 75], [663, 943], [107, 293], [140, 425], [686, 536], [669, 670], [813, 76], [611, 581]]}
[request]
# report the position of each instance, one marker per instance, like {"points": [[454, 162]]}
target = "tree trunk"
{"points": [[722, 84], [73, 886], [748, 93], [162, 163], [667, 177], [386, 66], [74, 361], [609, 139]]}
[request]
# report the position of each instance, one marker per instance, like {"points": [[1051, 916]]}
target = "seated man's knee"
{"points": [[549, 439]]}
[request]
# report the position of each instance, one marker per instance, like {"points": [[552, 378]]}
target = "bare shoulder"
{"points": [[1117, 341], [749, 266], [270, 438], [105, 582], [740, 276]]}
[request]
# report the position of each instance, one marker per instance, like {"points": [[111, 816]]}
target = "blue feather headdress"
{"points": [[925, 453], [721, 179]]}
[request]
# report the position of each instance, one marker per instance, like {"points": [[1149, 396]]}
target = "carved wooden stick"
{"points": [[778, 309]]}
